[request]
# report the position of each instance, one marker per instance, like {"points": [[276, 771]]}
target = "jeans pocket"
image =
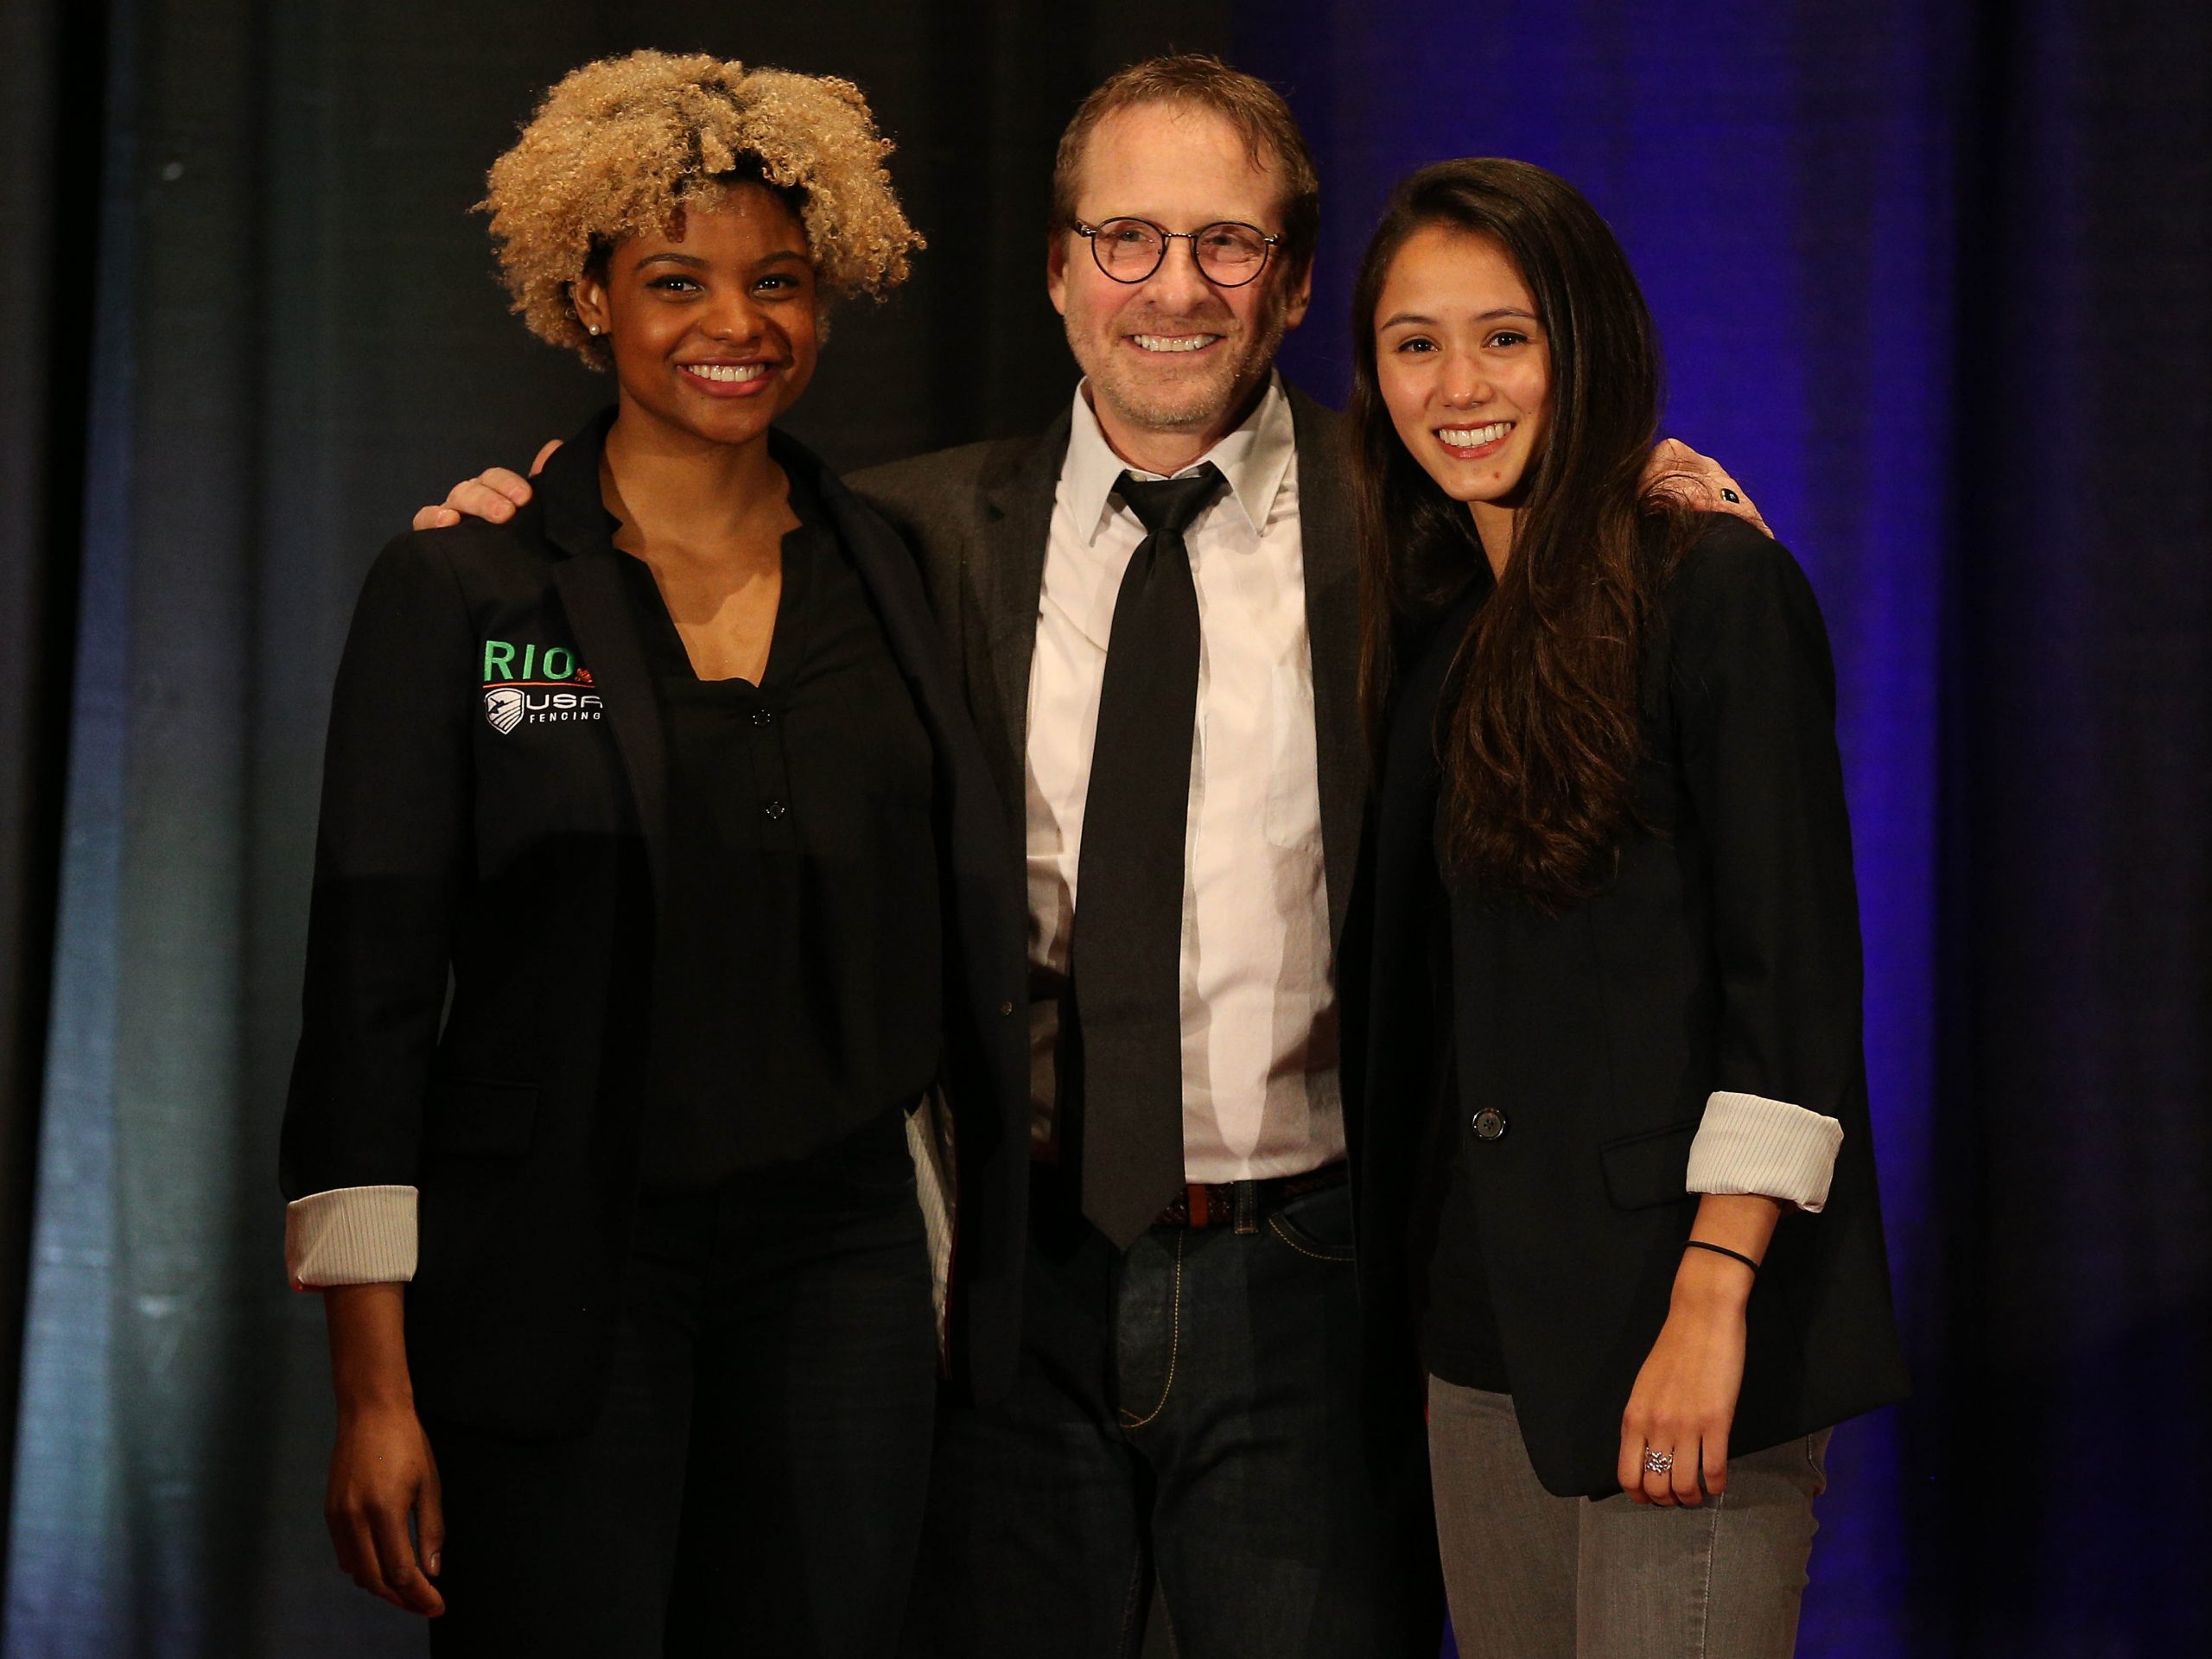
{"points": [[1816, 1458], [1317, 1225], [875, 1160]]}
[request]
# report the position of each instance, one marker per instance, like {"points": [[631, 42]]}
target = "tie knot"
{"points": [[1170, 503]]}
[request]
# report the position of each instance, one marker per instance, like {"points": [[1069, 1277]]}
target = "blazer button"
{"points": [[774, 808], [764, 717], [1490, 1123], [1006, 1008]]}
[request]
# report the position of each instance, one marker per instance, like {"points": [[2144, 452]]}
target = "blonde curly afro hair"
{"points": [[625, 146]]}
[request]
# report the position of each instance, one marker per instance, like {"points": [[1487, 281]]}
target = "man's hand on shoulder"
{"points": [[1677, 470], [492, 495]]}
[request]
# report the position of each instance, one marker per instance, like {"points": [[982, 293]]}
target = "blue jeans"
{"points": [[1192, 1409]]}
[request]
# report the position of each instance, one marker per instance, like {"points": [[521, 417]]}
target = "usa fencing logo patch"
{"points": [[526, 686], [503, 706]]}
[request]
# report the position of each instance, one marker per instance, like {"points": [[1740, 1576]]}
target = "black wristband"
{"points": [[1722, 1249]]}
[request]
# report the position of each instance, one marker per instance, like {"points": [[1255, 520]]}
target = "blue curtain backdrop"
{"points": [[1786, 181], [1934, 280]]}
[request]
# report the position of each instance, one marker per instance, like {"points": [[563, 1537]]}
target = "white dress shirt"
{"points": [[1260, 1091]]}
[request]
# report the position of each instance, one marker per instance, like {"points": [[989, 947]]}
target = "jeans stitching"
{"points": [[1174, 1344], [1712, 1550], [1813, 1468], [1275, 1226], [1129, 1601]]}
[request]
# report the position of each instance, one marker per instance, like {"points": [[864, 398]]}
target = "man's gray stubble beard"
{"points": [[1162, 418]]}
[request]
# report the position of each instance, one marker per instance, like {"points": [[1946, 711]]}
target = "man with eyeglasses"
{"points": [[1155, 604], [1159, 612]]}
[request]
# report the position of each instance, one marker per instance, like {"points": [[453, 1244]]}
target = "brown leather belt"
{"points": [[1241, 1204]]}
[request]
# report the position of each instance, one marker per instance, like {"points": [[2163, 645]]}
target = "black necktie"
{"points": [[1126, 951]]}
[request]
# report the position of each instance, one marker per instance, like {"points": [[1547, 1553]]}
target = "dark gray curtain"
{"points": [[288, 338], [50, 141], [2067, 1419]]}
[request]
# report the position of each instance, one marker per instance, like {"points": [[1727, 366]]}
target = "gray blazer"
{"points": [[978, 517]]}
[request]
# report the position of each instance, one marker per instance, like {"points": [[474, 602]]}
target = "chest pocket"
{"points": [[1294, 799], [547, 767]]}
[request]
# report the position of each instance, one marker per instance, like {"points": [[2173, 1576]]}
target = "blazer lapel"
{"points": [[1009, 577], [590, 585], [599, 611], [886, 570], [1331, 549]]}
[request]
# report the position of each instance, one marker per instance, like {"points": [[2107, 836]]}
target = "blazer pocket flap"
{"points": [[479, 1117], [1649, 1167]]}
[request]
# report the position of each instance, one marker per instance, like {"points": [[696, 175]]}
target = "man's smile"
{"points": [[1173, 343]]}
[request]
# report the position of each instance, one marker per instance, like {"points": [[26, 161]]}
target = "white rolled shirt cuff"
{"points": [[351, 1235], [1747, 1143]]}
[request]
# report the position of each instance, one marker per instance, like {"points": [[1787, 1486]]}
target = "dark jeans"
{"points": [[755, 1482], [1191, 1409]]}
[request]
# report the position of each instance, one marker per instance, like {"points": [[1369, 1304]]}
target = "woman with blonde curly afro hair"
{"points": [[640, 929]]}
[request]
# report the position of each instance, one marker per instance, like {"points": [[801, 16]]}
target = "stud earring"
{"points": [[591, 326]]}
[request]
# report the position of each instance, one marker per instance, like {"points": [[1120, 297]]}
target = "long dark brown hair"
{"points": [[1541, 749]]}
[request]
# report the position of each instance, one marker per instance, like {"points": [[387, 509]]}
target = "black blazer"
{"points": [[1722, 954], [520, 865]]}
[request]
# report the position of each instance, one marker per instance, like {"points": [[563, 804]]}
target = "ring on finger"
{"points": [[1658, 1462]]}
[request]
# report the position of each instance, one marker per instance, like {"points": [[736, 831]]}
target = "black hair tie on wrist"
{"points": [[1721, 1250]]}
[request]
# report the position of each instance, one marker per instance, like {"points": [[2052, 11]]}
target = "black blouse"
{"points": [[1459, 1339], [797, 977]]}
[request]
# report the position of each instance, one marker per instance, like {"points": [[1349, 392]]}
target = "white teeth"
{"points": [[1173, 342], [726, 371], [1474, 437]]}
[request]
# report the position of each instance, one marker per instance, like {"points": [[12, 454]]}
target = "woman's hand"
{"points": [[381, 1471], [1685, 1396]]}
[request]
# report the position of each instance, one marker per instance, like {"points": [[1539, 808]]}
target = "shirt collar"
{"points": [[1255, 459]]}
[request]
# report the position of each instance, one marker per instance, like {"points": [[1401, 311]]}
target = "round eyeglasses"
{"points": [[1130, 249]]}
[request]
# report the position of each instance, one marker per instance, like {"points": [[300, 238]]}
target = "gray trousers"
{"points": [[1532, 1576]]}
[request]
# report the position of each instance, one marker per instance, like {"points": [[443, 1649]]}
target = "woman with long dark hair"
{"points": [[1615, 1151]]}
